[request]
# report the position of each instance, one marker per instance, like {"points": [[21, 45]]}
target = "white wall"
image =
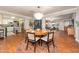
{"points": [[66, 23], [43, 23], [0, 19], [61, 25], [26, 23], [77, 27]]}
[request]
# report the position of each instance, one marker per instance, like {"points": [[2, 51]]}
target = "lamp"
{"points": [[38, 15]]}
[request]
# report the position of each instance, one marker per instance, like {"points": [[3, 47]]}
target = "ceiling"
{"points": [[30, 10]]}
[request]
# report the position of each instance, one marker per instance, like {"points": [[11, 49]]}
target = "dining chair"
{"points": [[26, 32], [31, 38], [48, 39]]}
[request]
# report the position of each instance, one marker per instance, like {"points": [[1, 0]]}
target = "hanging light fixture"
{"points": [[38, 15]]}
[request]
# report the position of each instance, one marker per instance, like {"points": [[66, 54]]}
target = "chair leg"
{"points": [[25, 39], [53, 43], [35, 48], [48, 47], [40, 42], [27, 45]]}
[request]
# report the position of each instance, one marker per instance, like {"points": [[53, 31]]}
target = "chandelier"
{"points": [[38, 15]]}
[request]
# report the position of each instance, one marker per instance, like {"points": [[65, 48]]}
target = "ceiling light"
{"points": [[12, 17], [38, 15]]}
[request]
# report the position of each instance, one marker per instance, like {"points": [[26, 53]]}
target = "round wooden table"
{"points": [[40, 33]]}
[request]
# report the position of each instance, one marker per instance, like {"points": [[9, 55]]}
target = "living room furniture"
{"points": [[48, 39], [9, 31], [70, 31], [31, 38]]}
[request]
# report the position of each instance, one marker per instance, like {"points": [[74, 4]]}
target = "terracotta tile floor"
{"points": [[16, 44]]}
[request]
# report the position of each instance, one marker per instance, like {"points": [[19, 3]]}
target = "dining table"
{"points": [[38, 33]]}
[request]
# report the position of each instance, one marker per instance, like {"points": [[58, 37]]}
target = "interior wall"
{"points": [[43, 24], [61, 25], [76, 22], [0, 19], [26, 23]]}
